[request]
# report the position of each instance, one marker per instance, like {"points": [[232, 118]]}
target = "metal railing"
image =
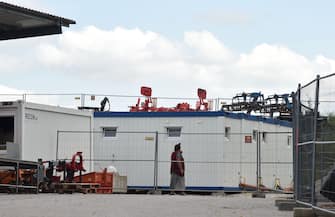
{"points": [[117, 102], [19, 176]]}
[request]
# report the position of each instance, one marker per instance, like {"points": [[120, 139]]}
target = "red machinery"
{"points": [[148, 106], [70, 168]]}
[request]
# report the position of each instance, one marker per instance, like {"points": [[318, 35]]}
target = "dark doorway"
{"points": [[6, 131]]}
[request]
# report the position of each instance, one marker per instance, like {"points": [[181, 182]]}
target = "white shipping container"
{"points": [[28, 131], [217, 156]]}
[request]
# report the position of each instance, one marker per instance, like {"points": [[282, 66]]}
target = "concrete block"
{"points": [[119, 183], [278, 201], [258, 195], [287, 205], [303, 212]]}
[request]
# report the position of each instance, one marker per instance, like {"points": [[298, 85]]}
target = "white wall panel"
{"points": [[203, 140]]}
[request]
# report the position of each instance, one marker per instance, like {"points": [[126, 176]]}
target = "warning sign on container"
{"points": [[248, 139]]}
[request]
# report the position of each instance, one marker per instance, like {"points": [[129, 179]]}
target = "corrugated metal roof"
{"points": [[20, 22]]}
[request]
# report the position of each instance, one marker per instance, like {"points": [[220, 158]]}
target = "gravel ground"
{"points": [[128, 205]]}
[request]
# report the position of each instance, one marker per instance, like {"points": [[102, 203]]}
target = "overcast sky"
{"points": [[225, 47]]}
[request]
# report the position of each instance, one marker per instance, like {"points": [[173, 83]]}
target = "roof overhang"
{"points": [[18, 22]]}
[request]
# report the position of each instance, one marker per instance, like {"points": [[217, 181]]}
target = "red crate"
{"points": [[105, 179]]}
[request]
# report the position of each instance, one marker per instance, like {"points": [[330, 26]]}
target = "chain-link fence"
{"points": [[213, 161], [315, 143]]}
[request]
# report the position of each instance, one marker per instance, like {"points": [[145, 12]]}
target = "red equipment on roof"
{"points": [[148, 106], [202, 106]]}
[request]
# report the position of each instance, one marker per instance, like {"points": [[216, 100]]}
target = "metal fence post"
{"points": [[17, 177], [296, 110], [57, 146], [91, 150], [258, 160], [316, 108], [156, 163], [38, 175]]}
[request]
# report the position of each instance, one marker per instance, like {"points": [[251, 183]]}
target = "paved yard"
{"points": [[90, 205]]}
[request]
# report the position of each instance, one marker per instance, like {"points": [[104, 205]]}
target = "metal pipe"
{"points": [[306, 143], [327, 76], [316, 106], [315, 207], [324, 142], [18, 186]]}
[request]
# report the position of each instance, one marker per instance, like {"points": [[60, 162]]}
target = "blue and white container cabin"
{"points": [[219, 148]]}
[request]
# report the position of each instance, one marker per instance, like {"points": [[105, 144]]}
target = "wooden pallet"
{"points": [[105, 190], [76, 187]]}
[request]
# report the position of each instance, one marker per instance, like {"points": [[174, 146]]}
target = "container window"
{"points": [[173, 131], [109, 132]]}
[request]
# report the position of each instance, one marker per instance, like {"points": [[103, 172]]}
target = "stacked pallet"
{"points": [[70, 188]]}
